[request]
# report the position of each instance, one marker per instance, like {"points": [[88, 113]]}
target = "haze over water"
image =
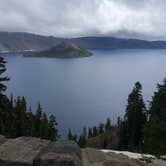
{"points": [[83, 92]]}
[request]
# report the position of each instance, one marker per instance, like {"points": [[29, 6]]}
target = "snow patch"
{"points": [[130, 154]]}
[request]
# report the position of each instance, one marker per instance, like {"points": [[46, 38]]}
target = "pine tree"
{"points": [[118, 121], [16, 121], [101, 128], [70, 135], [135, 119], [44, 127], [90, 133], [75, 137], [81, 141], [2, 79], [4, 102], [11, 101], [83, 138], [38, 117], [155, 131], [95, 131], [23, 118], [123, 137], [30, 119], [105, 142], [108, 124], [18, 114], [84, 133], [52, 131]]}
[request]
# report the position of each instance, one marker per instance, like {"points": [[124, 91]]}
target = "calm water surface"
{"points": [[85, 91]]}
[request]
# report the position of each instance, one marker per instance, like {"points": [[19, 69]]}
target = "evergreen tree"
{"points": [[84, 133], [108, 124], [11, 101], [44, 126], [52, 131], [118, 121], [101, 128], [123, 137], [30, 119], [83, 138], [155, 131], [81, 141], [18, 115], [90, 133], [135, 119], [38, 117], [105, 142], [75, 137], [23, 116], [95, 131], [2, 78], [16, 121], [70, 135], [3, 99]]}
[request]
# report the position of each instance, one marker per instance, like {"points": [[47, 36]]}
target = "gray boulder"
{"points": [[61, 153], [69, 147], [21, 151], [57, 159], [30, 151]]}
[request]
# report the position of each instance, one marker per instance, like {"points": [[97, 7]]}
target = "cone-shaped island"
{"points": [[66, 49]]}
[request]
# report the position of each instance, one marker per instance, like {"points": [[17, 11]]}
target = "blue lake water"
{"points": [[83, 92]]}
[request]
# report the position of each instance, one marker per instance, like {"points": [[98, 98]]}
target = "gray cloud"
{"points": [[124, 18]]}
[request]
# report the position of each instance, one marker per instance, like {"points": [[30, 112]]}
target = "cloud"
{"points": [[124, 18]]}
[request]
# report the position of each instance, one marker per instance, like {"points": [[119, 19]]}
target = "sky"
{"points": [[145, 19]]}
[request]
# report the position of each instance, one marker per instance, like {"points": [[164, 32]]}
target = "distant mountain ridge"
{"points": [[19, 41]]}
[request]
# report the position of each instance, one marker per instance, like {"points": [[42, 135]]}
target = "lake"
{"points": [[83, 92]]}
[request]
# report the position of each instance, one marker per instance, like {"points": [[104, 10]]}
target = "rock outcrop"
{"points": [[94, 157], [29, 151], [61, 153]]}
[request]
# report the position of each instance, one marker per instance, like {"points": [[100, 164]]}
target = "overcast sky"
{"points": [[71, 18]]}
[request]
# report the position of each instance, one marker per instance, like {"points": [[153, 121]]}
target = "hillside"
{"points": [[108, 139], [117, 43], [18, 41], [65, 49]]}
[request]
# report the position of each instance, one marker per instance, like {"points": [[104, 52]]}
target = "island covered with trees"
{"points": [[142, 129], [65, 49]]}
